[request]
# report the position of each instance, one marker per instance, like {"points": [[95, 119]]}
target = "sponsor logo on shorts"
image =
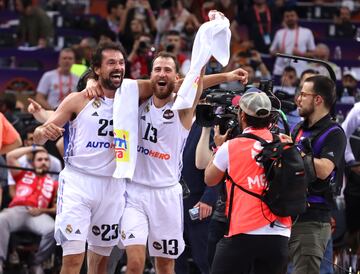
{"points": [[157, 245], [123, 235], [131, 236], [168, 114], [77, 231], [68, 229], [152, 153], [96, 230], [121, 141]]}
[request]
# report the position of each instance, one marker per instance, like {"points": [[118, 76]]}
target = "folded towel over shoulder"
{"points": [[212, 39], [125, 117]]}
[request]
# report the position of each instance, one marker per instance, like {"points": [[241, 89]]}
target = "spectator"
{"points": [[9, 140], [9, 137], [110, 26], [188, 34], [349, 87], [88, 44], [342, 27], [34, 200], [56, 84], [27, 160], [292, 39], [173, 43], [137, 19], [35, 27], [352, 188], [78, 68], [322, 52], [250, 61], [141, 57], [172, 16], [260, 21], [288, 82], [8, 108]]}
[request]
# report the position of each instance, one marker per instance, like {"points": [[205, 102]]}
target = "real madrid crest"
{"points": [[123, 235], [147, 108], [96, 103], [68, 229]]}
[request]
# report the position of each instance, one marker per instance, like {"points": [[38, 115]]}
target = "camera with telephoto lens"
{"points": [[219, 110]]}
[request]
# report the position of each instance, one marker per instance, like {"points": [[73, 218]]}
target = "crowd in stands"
{"points": [[326, 30]]}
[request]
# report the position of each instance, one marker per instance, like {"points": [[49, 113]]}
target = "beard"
{"points": [[109, 84], [164, 92], [306, 112]]}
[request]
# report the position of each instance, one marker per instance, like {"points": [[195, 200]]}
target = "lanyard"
{"points": [[258, 20], [62, 94], [296, 39]]}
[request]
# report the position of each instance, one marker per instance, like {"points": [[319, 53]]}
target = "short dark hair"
{"points": [[26, 3], [312, 71], [97, 57], [256, 122], [113, 4], [9, 100], [290, 69], [172, 32], [165, 54], [325, 87]]}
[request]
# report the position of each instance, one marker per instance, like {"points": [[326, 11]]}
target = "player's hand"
{"points": [[218, 138], [238, 75], [33, 107], [93, 89], [204, 210], [51, 131], [215, 14], [33, 211]]}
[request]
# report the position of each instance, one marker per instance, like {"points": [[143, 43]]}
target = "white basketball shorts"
{"points": [[89, 208], [154, 216]]}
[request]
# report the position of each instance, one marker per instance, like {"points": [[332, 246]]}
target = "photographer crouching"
{"points": [[256, 239]]}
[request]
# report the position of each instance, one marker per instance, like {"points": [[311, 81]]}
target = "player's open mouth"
{"points": [[161, 83]]}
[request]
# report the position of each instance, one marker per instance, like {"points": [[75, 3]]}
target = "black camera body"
{"points": [[219, 110]]}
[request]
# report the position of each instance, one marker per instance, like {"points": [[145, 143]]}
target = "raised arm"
{"points": [[52, 129], [186, 115]]}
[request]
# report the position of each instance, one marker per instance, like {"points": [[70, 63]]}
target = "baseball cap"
{"points": [[255, 103], [351, 73]]}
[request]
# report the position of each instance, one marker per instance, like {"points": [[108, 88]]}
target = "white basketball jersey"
{"points": [[162, 139], [90, 139]]}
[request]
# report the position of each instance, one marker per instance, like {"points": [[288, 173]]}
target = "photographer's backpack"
{"points": [[287, 171]]}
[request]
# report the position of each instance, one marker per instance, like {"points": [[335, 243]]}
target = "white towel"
{"points": [[212, 39], [125, 116]]}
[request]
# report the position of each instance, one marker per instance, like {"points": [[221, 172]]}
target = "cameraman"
{"points": [[256, 239], [141, 57]]}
